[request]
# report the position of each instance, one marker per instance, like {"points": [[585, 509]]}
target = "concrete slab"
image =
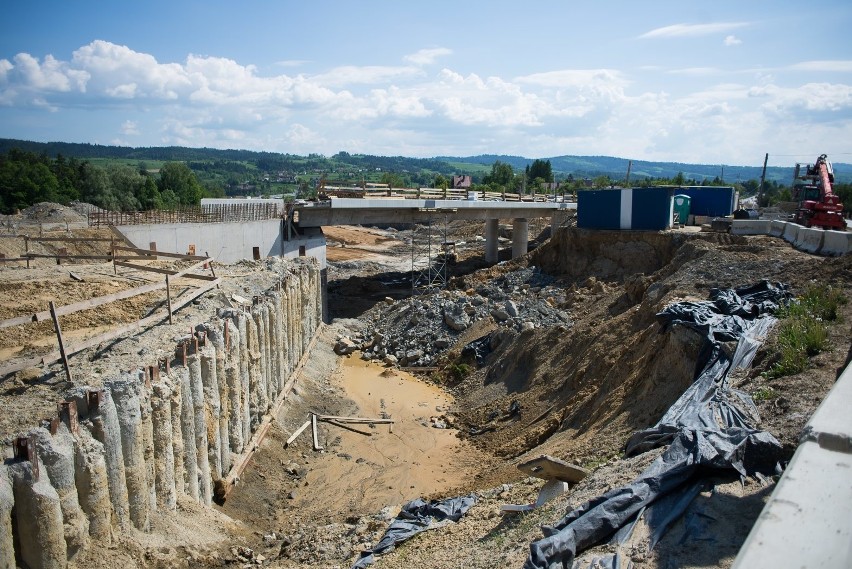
{"points": [[547, 467], [831, 424], [806, 522], [751, 227], [351, 211]]}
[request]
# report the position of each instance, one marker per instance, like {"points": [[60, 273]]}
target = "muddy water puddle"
{"points": [[363, 474]]}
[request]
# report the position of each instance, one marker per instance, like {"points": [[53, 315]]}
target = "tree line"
{"points": [[27, 178]]}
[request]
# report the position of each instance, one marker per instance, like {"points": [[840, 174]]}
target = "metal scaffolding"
{"points": [[431, 252]]}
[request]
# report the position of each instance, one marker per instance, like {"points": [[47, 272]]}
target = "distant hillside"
{"points": [[418, 170], [592, 166]]}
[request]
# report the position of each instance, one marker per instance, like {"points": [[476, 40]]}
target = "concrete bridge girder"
{"points": [[368, 212]]}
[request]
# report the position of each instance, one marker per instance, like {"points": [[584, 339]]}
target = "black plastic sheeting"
{"points": [[710, 430], [417, 516]]}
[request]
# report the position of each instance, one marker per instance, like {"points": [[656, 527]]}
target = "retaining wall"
{"points": [[812, 240], [120, 453], [229, 242]]}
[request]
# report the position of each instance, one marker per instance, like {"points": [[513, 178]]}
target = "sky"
{"points": [[720, 82]]}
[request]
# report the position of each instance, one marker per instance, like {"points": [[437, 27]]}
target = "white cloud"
{"points": [[692, 30], [836, 65], [365, 75], [695, 71], [702, 114], [427, 56], [731, 40], [129, 127]]}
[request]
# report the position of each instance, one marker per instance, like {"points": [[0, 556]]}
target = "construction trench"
{"points": [[187, 426], [114, 477]]}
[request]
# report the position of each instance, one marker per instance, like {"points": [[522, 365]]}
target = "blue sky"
{"points": [[708, 82]]}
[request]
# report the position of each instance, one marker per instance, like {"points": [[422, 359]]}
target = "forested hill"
{"points": [[616, 168], [577, 166]]}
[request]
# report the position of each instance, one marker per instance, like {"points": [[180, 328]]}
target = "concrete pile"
{"points": [[118, 455], [415, 331]]}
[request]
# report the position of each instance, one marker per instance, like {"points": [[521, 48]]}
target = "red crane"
{"points": [[819, 206]]}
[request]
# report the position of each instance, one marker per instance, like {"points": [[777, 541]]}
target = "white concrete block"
{"points": [[777, 228], [831, 424], [806, 522], [809, 239], [750, 226], [837, 243], [791, 230]]}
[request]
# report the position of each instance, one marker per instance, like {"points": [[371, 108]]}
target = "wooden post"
{"points": [[61, 343], [314, 432], [27, 249], [169, 298]]}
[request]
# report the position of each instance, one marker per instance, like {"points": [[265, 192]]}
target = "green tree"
{"points": [[127, 186], [540, 169], [501, 175], [96, 188], [392, 179], [441, 182], [601, 182], [177, 177], [149, 196]]}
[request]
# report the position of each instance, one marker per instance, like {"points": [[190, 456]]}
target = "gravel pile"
{"points": [[48, 211], [413, 332]]}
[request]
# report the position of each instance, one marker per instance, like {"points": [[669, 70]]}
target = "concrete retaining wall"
{"points": [[228, 242], [818, 241], [151, 435]]}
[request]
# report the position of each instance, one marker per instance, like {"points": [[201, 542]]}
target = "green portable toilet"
{"points": [[681, 207]]}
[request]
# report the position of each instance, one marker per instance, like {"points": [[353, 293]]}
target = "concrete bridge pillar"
{"points": [[520, 236], [492, 230]]}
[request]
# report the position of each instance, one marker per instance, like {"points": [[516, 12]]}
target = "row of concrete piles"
{"points": [[117, 455]]}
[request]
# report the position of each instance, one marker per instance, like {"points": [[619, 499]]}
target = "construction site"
{"points": [[259, 388]]}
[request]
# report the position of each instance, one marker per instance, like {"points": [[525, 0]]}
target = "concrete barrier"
{"points": [[750, 227], [808, 239], [806, 521], [791, 230], [836, 243], [777, 228]]}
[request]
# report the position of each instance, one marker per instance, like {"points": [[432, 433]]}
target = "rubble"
{"points": [[414, 332]]}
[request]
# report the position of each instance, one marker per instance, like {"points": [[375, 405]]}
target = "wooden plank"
{"points": [[298, 432], [547, 467], [107, 336], [70, 239], [97, 301], [61, 342], [314, 432], [61, 256], [354, 419], [163, 271], [185, 257], [348, 428]]}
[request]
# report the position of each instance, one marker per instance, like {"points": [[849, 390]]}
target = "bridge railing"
{"points": [[438, 194]]}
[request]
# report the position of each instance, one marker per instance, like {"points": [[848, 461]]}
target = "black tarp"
{"points": [[417, 516], [710, 429]]}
